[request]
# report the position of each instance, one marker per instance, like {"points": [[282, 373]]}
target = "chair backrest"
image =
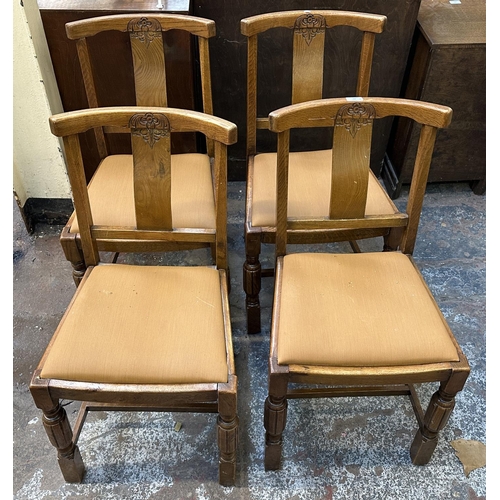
{"points": [[352, 121], [150, 129], [148, 55], [308, 31]]}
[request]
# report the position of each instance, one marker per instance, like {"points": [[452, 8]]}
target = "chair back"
{"points": [[352, 121], [150, 129], [149, 50], [309, 30]]}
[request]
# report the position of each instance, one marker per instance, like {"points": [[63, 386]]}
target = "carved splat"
{"points": [[144, 29], [151, 127], [309, 26], [354, 116]]}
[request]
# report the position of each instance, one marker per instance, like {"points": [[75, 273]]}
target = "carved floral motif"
{"points": [[309, 25], [151, 127], [354, 116], [144, 29]]}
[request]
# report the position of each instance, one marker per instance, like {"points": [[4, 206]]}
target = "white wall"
{"points": [[38, 163]]}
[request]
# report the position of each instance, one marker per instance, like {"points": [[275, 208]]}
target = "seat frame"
{"points": [[145, 32], [220, 398], [343, 381], [307, 84]]}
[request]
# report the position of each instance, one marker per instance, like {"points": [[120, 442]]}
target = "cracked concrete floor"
{"points": [[343, 448]]}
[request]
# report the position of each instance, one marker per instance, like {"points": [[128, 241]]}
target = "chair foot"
{"points": [[58, 430], [72, 467], [274, 423], [227, 442], [422, 449]]}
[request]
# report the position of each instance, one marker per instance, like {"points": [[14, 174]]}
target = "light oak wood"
{"points": [[397, 378], [150, 128], [146, 34], [309, 32]]}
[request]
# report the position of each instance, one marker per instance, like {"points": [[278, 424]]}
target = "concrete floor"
{"points": [[344, 448]]}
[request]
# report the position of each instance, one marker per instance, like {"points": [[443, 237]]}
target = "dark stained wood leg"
{"points": [[60, 435], [436, 417], [478, 187], [274, 423], [78, 271], [392, 240], [73, 253], [252, 276], [227, 435], [227, 442], [275, 411]]}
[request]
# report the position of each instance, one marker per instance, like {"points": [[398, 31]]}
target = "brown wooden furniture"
{"points": [[195, 207], [138, 337], [447, 66], [112, 61], [228, 53], [310, 169], [358, 324]]}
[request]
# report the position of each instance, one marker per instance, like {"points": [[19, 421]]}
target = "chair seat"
{"points": [[111, 192], [142, 325], [369, 309], [308, 188]]}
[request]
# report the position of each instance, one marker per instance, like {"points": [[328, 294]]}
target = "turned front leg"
{"points": [[275, 411], [79, 269], [227, 432], [227, 441], [56, 424], [438, 412]]}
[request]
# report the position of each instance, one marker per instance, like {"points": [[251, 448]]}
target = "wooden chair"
{"points": [[111, 193], [357, 324], [309, 170], [139, 337]]}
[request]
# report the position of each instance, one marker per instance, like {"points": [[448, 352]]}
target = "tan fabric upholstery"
{"points": [[111, 192], [141, 324], [368, 309], [308, 188]]}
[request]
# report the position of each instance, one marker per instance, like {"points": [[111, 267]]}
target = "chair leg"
{"points": [[252, 276], [275, 411], [438, 412], [60, 435], [73, 254], [392, 240], [227, 437], [79, 269], [227, 442]]}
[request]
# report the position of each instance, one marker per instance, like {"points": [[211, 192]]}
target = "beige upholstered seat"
{"points": [[308, 189], [193, 203], [367, 309], [171, 332]]}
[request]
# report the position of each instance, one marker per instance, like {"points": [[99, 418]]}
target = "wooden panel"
{"points": [[152, 171], [228, 52], [308, 52], [351, 161], [112, 64], [448, 66]]}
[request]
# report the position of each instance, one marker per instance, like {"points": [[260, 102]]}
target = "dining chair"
{"points": [[111, 191], [357, 324], [141, 337], [319, 39]]}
